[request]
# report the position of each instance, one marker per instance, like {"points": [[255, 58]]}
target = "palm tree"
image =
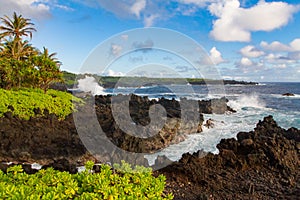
{"points": [[45, 54], [11, 33], [19, 50], [16, 27], [22, 65]]}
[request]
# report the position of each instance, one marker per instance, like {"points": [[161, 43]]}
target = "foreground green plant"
{"points": [[25, 103], [52, 184]]}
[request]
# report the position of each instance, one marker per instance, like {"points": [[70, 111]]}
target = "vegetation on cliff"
{"points": [[26, 103], [26, 73]]}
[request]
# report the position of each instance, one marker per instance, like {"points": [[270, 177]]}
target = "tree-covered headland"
{"points": [[27, 72]]}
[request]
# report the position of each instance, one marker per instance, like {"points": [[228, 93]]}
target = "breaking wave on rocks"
{"points": [[250, 109], [252, 103], [90, 85]]}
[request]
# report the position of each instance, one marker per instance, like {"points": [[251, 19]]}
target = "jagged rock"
{"points": [[209, 123], [39, 139], [173, 131], [260, 164], [44, 139], [288, 94]]}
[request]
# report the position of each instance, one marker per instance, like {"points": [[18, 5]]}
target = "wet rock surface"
{"points": [[260, 164], [182, 117]]}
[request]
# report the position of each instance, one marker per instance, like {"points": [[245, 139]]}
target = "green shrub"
{"points": [[52, 184], [24, 102]]}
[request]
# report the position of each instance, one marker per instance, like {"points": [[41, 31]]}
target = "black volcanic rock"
{"points": [[46, 139], [288, 94], [172, 132], [39, 139], [260, 164]]}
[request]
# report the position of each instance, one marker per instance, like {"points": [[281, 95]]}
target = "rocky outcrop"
{"points": [[46, 139], [288, 94], [260, 164], [174, 130], [42, 139]]}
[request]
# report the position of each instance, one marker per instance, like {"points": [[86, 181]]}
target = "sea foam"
{"points": [[247, 101], [89, 84]]}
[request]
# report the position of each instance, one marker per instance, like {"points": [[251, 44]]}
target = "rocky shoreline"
{"points": [[47, 139], [263, 163], [260, 164]]}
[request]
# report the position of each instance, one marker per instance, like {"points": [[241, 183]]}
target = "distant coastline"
{"points": [[111, 81]]}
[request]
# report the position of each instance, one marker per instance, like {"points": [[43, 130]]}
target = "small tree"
{"points": [[6, 73], [47, 71]]}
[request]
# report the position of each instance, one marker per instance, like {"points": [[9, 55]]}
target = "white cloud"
{"points": [[246, 62], [113, 73], [147, 44], [278, 59], [137, 7], [115, 49], [28, 8], [275, 46], [247, 66], [235, 23], [187, 11], [121, 8], [270, 56], [124, 37], [237, 78], [227, 77], [145, 10], [216, 56], [292, 50], [251, 52], [200, 3], [294, 55], [63, 7], [280, 66], [148, 21], [260, 70], [295, 44]]}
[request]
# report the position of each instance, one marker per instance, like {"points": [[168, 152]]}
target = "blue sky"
{"points": [[246, 40]]}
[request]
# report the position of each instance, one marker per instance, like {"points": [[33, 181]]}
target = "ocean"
{"points": [[252, 103]]}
